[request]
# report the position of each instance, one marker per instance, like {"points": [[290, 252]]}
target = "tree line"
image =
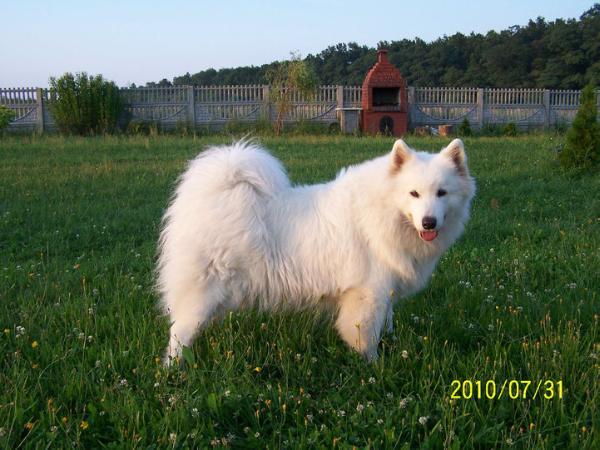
{"points": [[559, 54]]}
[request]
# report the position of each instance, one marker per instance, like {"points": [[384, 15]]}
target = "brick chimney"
{"points": [[382, 56]]}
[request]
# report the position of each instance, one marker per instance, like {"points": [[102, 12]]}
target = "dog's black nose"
{"points": [[429, 223]]}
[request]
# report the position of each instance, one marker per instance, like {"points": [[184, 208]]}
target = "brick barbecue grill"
{"points": [[384, 99]]}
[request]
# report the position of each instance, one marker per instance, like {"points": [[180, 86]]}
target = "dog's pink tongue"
{"points": [[428, 235]]}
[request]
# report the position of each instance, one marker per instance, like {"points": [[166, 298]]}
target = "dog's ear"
{"points": [[456, 152], [399, 155]]}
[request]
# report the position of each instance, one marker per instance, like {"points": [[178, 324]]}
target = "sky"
{"points": [[138, 41]]}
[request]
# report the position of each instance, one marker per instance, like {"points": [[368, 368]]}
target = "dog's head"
{"points": [[431, 190]]}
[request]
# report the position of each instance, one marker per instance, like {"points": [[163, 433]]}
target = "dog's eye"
{"points": [[415, 194], [441, 192]]}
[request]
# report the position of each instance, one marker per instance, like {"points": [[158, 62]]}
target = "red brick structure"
{"points": [[384, 99]]}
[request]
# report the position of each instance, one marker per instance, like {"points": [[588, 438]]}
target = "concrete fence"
{"points": [[207, 106]]}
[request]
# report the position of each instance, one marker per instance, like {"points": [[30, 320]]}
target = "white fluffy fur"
{"points": [[238, 234]]}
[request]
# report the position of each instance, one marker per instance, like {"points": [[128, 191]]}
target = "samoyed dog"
{"points": [[238, 234]]}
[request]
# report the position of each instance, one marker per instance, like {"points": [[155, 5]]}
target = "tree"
{"points": [[582, 146], [286, 79], [83, 104], [559, 54]]}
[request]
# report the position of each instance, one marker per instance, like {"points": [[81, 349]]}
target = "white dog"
{"points": [[238, 234]]}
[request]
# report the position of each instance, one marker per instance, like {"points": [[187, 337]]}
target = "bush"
{"points": [[510, 129], [582, 146], [6, 116], [464, 129], [85, 105]]}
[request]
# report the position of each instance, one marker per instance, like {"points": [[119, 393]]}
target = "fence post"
{"points": [[340, 96], [480, 107], [191, 106], [266, 102], [412, 102], [39, 97], [547, 106]]}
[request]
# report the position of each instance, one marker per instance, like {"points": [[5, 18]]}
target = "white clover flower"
{"points": [[195, 412], [20, 331], [404, 403], [360, 407], [404, 354], [372, 380], [423, 420], [123, 382], [173, 437]]}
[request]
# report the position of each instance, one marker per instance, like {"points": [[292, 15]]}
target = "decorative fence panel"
{"points": [[217, 105], [438, 106]]}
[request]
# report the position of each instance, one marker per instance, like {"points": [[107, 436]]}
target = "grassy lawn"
{"points": [[517, 298]]}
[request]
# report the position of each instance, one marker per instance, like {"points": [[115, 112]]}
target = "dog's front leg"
{"points": [[360, 320]]}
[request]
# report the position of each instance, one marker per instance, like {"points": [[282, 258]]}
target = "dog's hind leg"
{"points": [[189, 314], [360, 320]]}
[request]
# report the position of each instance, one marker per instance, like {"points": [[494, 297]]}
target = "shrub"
{"points": [[510, 129], [6, 116], [464, 129], [83, 104], [582, 145], [288, 78]]}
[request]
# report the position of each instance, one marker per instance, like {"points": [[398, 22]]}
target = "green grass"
{"points": [[515, 299]]}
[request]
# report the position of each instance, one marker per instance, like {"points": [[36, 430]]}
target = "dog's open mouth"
{"points": [[428, 235]]}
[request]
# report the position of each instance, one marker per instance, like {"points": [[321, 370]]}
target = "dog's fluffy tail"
{"points": [[222, 168], [220, 201]]}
